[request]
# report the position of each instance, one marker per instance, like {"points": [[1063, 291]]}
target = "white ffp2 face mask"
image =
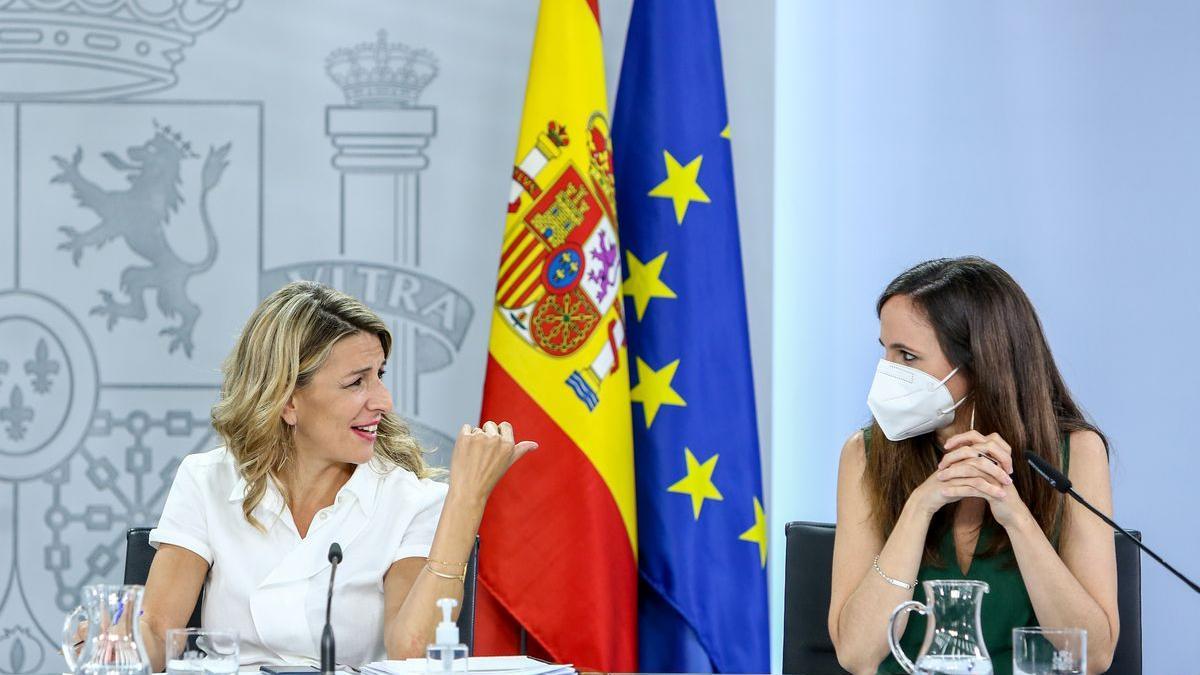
{"points": [[907, 402]]}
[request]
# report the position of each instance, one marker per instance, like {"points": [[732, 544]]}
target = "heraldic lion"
{"points": [[139, 216]]}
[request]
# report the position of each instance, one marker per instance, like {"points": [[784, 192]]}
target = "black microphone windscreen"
{"points": [[1053, 476], [335, 553]]}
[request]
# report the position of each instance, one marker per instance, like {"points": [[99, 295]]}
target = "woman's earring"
{"points": [[289, 431]]}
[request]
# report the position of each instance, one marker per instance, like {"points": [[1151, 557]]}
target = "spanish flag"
{"points": [[558, 541]]}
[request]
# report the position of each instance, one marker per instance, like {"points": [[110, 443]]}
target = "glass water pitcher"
{"points": [[953, 634], [113, 642]]}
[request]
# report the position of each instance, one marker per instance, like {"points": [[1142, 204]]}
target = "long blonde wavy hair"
{"points": [[286, 341]]}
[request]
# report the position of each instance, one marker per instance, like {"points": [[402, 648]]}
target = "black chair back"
{"points": [[139, 554], [466, 614], [1127, 658], [807, 649]]}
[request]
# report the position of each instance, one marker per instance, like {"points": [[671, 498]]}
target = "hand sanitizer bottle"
{"points": [[446, 655]]}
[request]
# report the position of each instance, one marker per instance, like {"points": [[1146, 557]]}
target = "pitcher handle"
{"points": [[893, 643], [70, 628]]}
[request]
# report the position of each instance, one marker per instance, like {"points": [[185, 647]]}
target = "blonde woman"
{"points": [[314, 455]]}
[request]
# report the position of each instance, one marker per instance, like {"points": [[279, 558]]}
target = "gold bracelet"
{"points": [[447, 564], [461, 577]]}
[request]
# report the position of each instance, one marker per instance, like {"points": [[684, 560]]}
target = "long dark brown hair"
{"points": [[987, 327]]}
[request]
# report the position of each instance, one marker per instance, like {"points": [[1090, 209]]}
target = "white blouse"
{"points": [[270, 587]]}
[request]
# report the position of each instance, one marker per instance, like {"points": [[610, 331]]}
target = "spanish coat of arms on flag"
{"points": [[558, 541]]}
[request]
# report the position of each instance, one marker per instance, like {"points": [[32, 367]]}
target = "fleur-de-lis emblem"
{"points": [[41, 367], [17, 414]]}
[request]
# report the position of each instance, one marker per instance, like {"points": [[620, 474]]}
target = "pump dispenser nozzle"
{"points": [[446, 655], [447, 630]]}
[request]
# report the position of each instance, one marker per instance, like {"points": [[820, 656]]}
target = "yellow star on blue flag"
{"points": [[681, 185], [689, 344], [698, 483], [653, 389], [644, 281]]}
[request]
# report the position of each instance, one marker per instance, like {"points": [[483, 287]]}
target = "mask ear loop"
{"points": [[955, 407], [946, 379], [960, 401]]}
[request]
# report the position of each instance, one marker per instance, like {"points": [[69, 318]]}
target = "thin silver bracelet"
{"points": [[895, 582]]}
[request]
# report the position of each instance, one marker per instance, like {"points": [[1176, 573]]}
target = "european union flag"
{"points": [[702, 534]]}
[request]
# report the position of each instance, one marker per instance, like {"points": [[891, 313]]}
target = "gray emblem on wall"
{"points": [[118, 219], [138, 215], [137, 253], [379, 136], [98, 49]]}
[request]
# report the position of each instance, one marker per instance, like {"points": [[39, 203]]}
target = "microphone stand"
{"points": [[1063, 484], [1071, 491], [327, 647]]}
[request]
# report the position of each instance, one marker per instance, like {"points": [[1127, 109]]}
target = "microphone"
{"points": [[327, 651], [1059, 482]]}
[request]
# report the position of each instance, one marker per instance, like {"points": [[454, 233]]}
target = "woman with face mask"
{"points": [[938, 486]]}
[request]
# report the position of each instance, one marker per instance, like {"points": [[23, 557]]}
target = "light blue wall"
{"points": [[1061, 140]]}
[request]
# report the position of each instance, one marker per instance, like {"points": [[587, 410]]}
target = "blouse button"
{"points": [[324, 515]]}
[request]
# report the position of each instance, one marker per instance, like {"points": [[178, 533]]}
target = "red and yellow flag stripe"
{"points": [[558, 554]]}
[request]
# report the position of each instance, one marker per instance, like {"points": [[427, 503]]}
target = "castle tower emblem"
{"points": [[380, 135]]}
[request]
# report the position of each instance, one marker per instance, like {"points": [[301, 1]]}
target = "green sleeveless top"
{"points": [[1006, 605]]}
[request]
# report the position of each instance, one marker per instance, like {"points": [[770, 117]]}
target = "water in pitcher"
{"points": [[953, 665], [113, 669]]}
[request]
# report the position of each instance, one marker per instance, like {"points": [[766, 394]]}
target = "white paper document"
{"points": [[488, 665]]}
